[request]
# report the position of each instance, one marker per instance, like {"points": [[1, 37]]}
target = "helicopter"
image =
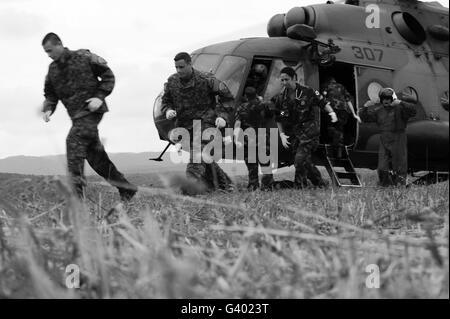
{"points": [[365, 45]]}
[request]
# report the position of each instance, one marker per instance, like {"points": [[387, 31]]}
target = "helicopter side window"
{"points": [[231, 72], [258, 75]]}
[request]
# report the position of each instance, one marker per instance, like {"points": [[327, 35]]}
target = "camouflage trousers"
{"points": [[336, 130], [392, 159], [208, 173], [304, 166], [253, 163], [83, 143]]}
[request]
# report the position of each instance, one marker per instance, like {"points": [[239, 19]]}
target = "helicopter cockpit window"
{"points": [[206, 62], [157, 106], [274, 85], [231, 72]]}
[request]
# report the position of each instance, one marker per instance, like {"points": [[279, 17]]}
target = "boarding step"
{"points": [[347, 178]]}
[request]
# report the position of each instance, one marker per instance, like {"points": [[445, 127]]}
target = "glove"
{"points": [[369, 103], [284, 140], [170, 114], [227, 139], [46, 116], [357, 118], [94, 103], [396, 102], [220, 122], [334, 118]]}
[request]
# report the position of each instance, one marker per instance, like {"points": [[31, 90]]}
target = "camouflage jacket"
{"points": [[301, 114], [337, 95], [253, 113], [389, 119], [196, 99], [74, 78]]}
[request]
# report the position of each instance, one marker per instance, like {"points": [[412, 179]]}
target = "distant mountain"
{"points": [[127, 163], [130, 163]]}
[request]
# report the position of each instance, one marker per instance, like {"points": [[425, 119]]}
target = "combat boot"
{"points": [[252, 187], [267, 182], [126, 194]]}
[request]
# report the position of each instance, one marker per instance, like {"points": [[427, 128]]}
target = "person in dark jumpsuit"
{"points": [[391, 115]]}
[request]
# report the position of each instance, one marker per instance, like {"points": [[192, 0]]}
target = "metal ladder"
{"points": [[341, 170]]}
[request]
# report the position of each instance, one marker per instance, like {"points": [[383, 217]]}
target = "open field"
{"points": [[281, 244]]}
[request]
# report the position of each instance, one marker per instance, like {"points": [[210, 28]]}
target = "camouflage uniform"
{"points": [[73, 79], [393, 153], [254, 114], [300, 117], [195, 99], [338, 96]]}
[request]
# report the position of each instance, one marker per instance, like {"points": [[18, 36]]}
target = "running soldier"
{"points": [[73, 78], [297, 115], [253, 114], [341, 103], [191, 95]]}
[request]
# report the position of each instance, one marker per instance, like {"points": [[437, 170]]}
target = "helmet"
{"points": [[386, 93], [260, 69]]}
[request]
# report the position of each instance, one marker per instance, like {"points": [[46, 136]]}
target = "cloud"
{"points": [[18, 24]]}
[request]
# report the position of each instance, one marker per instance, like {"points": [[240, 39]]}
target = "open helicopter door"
{"points": [[340, 169], [359, 139]]}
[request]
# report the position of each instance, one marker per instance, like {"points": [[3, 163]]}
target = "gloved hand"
{"points": [[284, 140], [333, 116], [170, 114], [46, 116], [396, 102], [94, 103], [369, 103], [227, 139], [220, 122], [357, 118]]}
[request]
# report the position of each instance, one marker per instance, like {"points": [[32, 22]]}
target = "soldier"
{"points": [[257, 78], [191, 95], [73, 78], [297, 115], [253, 114], [391, 116], [341, 104]]}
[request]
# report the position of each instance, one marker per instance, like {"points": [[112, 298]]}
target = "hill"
{"points": [[129, 163]]}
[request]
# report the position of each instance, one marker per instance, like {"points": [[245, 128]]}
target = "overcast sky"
{"points": [[137, 38]]}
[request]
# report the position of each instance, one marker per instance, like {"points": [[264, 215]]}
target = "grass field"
{"points": [[281, 244]]}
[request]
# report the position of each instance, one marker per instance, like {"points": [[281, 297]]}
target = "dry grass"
{"points": [[283, 244]]}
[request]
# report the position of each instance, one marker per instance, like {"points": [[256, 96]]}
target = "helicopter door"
{"points": [[344, 74], [369, 81]]}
